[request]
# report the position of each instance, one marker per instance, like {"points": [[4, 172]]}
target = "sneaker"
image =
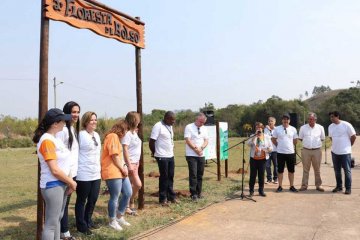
{"points": [[279, 189], [251, 194], [164, 204], [115, 225], [348, 191], [337, 189], [276, 182], [122, 221], [293, 189], [320, 189], [268, 181]]}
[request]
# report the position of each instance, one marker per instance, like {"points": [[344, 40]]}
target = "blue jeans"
{"points": [[272, 158], [344, 161], [117, 186]]}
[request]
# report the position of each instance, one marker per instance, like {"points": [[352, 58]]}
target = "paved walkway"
{"points": [[304, 215]]}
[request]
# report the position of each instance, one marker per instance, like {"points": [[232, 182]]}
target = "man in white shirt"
{"points": [[342, 135], [272, 155], [196, 138], [285, 138], [161, 145], [311, 135]]}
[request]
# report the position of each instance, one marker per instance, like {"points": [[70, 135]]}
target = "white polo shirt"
{"points": [[89, 157], [269, 132], [164, 143], [74, 151], [132, 140], [312, 137], [197, 135], [285, 137], [340, 135]]}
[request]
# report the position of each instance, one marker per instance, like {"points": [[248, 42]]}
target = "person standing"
{"points": [[343, 135], [285, 138], [260, 145], [54, 158], [311, 135], [272, 155], [88, 176], [115, 172], [161, 145], [196, 139], [132, 144], [70, 137]]}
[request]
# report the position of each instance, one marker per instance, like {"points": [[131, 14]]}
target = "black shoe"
{"points": [[87, 232], [194, 198], [94, 226], [279, 189], [293, 189], [337, 189], [348, 191], [262, 194]]}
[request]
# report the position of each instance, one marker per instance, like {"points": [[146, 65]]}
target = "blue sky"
{"points": [[224, 52]]}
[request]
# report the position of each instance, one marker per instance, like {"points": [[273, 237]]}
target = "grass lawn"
{"points": [[18, 185]]}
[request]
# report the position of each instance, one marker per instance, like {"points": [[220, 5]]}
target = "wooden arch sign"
{"points": [[104, 21]]}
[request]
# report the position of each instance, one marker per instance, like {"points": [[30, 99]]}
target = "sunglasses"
{"points": [[199, 131], [285, 130], [95, 142]]}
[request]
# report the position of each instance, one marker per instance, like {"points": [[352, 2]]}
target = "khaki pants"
{"points": [[311, 157]]}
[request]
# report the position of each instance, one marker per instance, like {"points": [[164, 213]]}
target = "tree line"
{"points": [[240, 117]]}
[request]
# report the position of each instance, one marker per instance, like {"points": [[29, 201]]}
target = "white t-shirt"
{"points": [[312, 137], [340, 135], [133, 142], [74, 151], [89, 157], [62, 158], [270, 134], [197, 137], [285, 137], [164, 143]]}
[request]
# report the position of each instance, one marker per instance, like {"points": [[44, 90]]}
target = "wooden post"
{"points": [[43, 104], [226, 168], [218, 151], [141, 199]]}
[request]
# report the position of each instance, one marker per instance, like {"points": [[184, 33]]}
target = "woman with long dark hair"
{"points": [[55, 182], [70, 137], [88, 176]]}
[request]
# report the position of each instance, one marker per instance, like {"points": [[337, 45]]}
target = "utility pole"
{"points": [[56, 84]]}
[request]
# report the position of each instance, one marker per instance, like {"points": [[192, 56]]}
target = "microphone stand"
{"points": [[242, 195]]}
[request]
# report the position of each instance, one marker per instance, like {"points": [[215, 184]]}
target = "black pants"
{"points": [[196, 172], [257, 167], [166, 180], [87, 194], [64, 223]]}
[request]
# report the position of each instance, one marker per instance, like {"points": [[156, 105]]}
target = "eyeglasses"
{"points": [[199, 131], [285, 130], [95, 142]]}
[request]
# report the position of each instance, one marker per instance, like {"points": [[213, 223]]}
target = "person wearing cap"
{"points": [[343, 136], [311, 135], [70, 137], [285, 138], [55, 179], [88, 176], [196, 139]]}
